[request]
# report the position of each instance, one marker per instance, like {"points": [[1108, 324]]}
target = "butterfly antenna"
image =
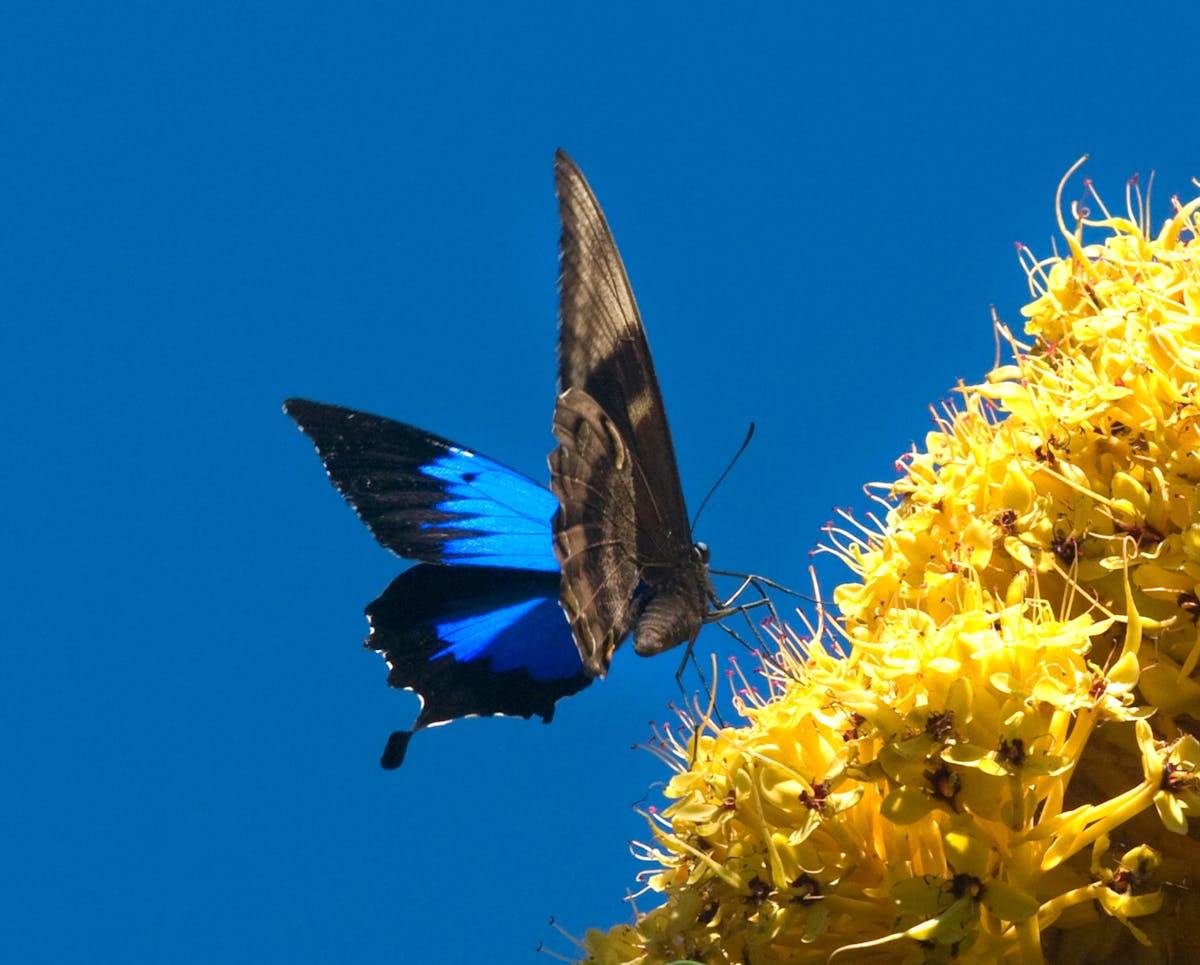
{"points": [[720, 479]]}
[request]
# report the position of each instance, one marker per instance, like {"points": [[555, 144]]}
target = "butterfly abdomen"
{"points": [[674, 611]]}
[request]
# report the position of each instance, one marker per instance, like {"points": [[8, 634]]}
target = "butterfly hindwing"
{"points": [[474, 642], [621, 533], [596, 530]]}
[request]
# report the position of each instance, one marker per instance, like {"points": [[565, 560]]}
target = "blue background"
{"points": [[208, 208]]}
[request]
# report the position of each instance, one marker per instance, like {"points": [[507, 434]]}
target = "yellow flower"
{"points": [[1174, 773], [1023, 679]]}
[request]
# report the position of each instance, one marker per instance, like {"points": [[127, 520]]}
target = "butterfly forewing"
{"points": [[426, 498], [602, 349]]}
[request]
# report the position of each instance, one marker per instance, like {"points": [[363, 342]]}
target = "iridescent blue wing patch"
{"points": [[474, 642], [426, 498], [483, 634]]}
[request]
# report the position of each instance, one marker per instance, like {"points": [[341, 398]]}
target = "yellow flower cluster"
{"points": [[1003, 768]]}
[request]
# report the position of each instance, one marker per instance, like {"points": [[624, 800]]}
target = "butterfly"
{"points": [[621, 533], [475, 628]]}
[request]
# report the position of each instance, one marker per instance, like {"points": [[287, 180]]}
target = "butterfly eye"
{"points": [[701, 551]]}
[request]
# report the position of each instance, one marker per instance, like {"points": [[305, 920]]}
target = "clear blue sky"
{"points": [[208, 208]]}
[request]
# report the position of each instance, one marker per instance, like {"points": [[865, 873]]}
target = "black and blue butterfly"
{"points": [[521, 594]]}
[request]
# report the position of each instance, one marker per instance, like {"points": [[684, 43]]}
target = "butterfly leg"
{"points": [[689, 655], [773, 624], [730, 605], [759, 583], [760, 642], [693, 716]]}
